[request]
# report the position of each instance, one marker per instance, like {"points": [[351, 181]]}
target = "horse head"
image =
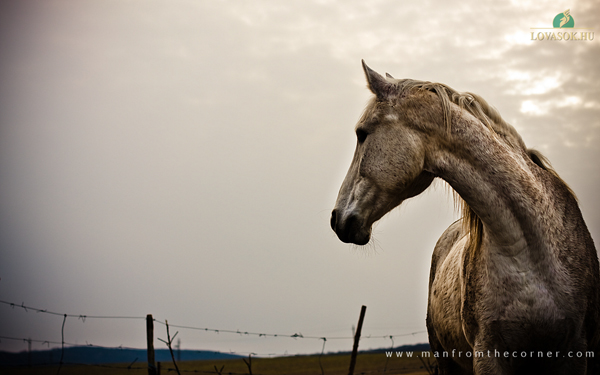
{"points": [[388, 163]]}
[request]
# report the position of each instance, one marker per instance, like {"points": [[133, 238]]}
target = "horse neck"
{"points": [[500, 184]]}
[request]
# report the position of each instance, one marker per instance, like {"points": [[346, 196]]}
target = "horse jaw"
{"points": [[360, 204]]}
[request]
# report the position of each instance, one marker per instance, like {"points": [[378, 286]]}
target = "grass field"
{"points": [[371, 363]]}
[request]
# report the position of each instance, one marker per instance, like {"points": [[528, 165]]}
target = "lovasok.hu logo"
{"points": [[561, 22], [564, 20]]}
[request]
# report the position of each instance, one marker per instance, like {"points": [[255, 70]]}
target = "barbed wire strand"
{"points": [[47, 342], [78, 316], [295, 335]]}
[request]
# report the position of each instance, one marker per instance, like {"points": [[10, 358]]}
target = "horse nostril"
{"points": [[333, 219]]}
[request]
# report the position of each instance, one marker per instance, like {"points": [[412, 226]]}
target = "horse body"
{"points": [[519, 273]]}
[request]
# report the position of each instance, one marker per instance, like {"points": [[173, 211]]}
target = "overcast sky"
{"points": [[181, 159]]}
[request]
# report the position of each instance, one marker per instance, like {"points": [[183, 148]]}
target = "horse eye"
{"points": [[361, 135]]}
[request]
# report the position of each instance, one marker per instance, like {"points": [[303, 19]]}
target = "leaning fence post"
{"points": [[357, 339], [150, 343]]}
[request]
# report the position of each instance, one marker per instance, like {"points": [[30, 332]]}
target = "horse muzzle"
{"points": [[349, 228]]}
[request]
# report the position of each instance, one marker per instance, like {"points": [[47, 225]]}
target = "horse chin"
{"points": [[357, 238]]}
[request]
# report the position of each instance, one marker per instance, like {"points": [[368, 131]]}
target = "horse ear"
{"points": [[388, 75], [377, 84]]}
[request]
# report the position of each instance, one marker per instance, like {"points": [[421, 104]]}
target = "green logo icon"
{"points": [[563, 20]]}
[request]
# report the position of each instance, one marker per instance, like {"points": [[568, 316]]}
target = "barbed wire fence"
{"points": [[150, 321]]}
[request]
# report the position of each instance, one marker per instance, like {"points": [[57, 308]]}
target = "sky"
{"points": [[182, 158]]}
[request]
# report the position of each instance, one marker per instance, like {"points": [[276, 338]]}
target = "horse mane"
{"points": [[491, 118]]}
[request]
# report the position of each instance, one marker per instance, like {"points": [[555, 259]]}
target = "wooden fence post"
{"points": [[150, 344], [356, 340]]}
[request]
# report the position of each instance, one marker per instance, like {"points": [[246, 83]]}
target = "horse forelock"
{"points": [[369, 111]]}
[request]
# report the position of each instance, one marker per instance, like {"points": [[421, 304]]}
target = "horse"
{"points": [[514, 284]]}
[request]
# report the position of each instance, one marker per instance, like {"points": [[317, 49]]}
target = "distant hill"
{"points": [[93, 355]]}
